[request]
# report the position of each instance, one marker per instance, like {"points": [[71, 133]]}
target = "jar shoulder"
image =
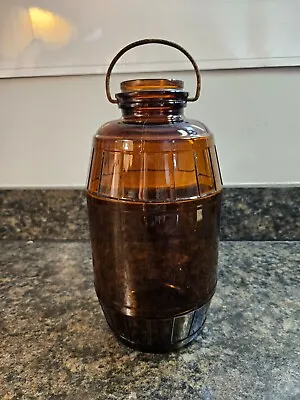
{"points": [[186, 129]]}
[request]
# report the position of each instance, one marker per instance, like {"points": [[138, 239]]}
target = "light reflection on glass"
{"points": [[182, 132]]}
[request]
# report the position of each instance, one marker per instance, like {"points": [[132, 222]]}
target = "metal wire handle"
{"points": [[151, 41]]}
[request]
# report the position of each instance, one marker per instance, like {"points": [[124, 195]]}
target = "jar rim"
{"points": [[149, 84]]}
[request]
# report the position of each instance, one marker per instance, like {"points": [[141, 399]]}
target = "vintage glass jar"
{"points": [[154, 198]]}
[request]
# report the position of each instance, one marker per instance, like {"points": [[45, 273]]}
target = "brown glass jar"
{"points": [[154, 197]]}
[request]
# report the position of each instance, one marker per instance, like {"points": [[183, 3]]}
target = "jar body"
{"points": [[154, 199]]}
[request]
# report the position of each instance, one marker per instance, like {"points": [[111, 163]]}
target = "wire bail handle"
{"points": [[151, 41]]}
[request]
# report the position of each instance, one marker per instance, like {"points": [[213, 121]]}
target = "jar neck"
{"points": [[152, 101], [152, 115]]}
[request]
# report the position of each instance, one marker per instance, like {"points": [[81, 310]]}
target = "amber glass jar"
{"points": [[154, 195]]}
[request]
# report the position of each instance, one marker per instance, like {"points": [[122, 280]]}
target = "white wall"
{"points": [[46, 125]]}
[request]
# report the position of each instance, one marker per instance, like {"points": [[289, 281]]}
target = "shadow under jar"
{"points": [[154, 198]]}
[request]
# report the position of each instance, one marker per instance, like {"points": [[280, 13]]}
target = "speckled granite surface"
{"points": [[55, 343], [261, 213], [248, 214], [43, 214]]}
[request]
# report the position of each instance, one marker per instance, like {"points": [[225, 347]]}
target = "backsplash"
{"points": [[265, 213]]}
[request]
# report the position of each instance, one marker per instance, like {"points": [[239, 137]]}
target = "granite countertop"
{"points": [[55, 343]]}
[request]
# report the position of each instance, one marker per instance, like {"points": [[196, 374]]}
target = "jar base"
{"points": [[157, 335], [158, 349]]}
